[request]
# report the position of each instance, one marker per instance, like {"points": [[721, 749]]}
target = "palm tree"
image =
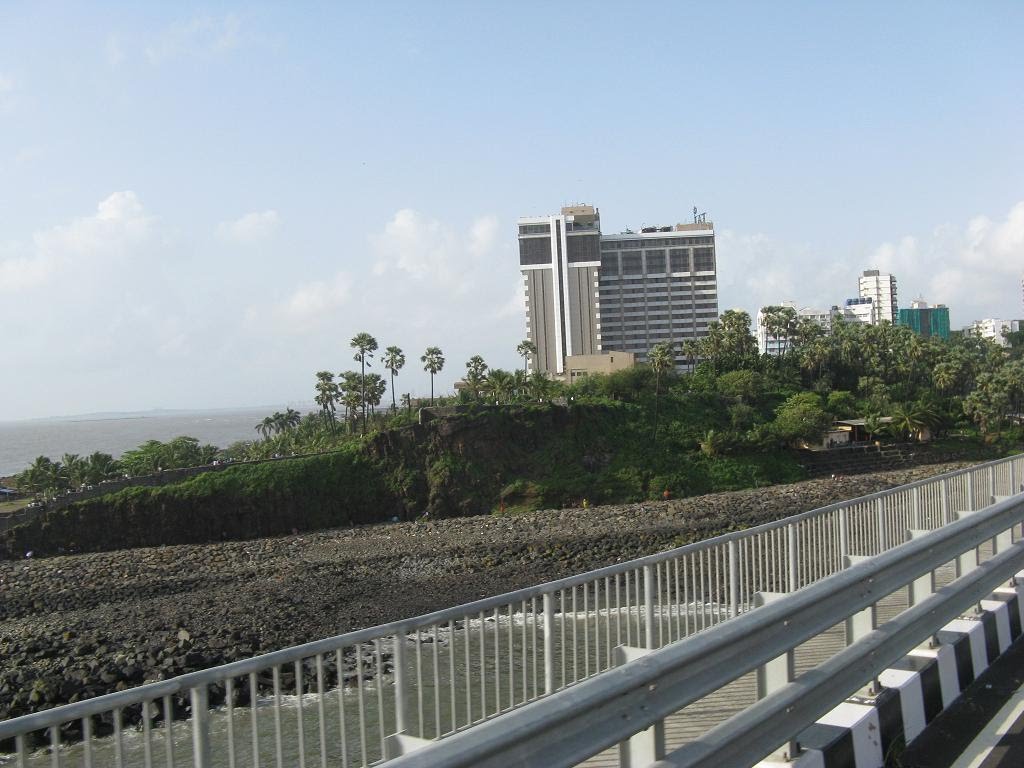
{"points": [[500, 385], [266, 426], [407, 402], [393, 360], [365, 345], [433, 362], [661, 358], [100, 466], [538, 386], [525, 349], [290, 419], [476, 375], [375, 388], [326, 395]]}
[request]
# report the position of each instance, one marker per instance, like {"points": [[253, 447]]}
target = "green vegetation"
{"points": [[629, 436]]}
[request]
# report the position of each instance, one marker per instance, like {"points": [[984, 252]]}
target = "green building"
{"points": [[926, 321]]}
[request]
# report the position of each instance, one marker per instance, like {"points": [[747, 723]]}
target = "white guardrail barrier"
{"points": [[556, 673]]}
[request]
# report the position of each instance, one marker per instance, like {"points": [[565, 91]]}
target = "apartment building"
{"points": [[881, 289]]}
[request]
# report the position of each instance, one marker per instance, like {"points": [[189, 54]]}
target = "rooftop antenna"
{"points": [[699, 218]]}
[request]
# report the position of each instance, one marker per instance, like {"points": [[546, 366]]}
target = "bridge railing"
{"points": [[628, 706], [340, 700]]}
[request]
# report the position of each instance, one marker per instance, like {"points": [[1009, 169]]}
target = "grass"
{"points": [[11, 506]]}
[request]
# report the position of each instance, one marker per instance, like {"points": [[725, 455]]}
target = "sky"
{"points": [[201, 204]]}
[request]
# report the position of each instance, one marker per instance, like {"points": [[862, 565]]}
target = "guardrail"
{"points": [[339, 700]]}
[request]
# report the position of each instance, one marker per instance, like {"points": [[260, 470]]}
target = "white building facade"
{"points": [[994, 329], [881, 289]]}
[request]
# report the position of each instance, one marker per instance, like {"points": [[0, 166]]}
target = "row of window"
{"points": [[655, 242]]}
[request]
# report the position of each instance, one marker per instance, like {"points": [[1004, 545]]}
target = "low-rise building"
{"points": [[994, 329], [577, 366]]}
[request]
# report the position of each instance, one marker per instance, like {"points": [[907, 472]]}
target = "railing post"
{"points": [[647, 746], [777, 673], [992, 482], [916, 504], [400, 683], [844, 533], [968, 561], [734, 578], [922, 586], [944, 500], [549, 642], [649, 607], [791, 546], [200, 727], [1014, 490], [970, 490], [880, 514]]}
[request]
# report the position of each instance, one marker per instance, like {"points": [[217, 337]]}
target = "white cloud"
{"points": [[86, 244], [250, 228], [313, 304], [7, 83], [975, 269], [427, 250], [200, 36]]}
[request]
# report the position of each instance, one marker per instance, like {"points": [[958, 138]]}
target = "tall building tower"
{"points": [[881, 289], [588, 293], [559, 257]]}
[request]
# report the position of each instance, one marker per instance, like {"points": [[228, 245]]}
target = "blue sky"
{"points": [[201, 204]]}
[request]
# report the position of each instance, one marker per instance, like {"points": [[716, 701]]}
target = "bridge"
{"points": [[831, 637]]}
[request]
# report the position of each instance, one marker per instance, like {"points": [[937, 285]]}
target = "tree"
{"points": [[433, 362], [290, 419], [266, 426], [662, 359], [801, 418], [476, 375], [407, 402], [326, 395], [375, 389], [525, 349], [100, 466], [393, 360], [350, 393], [500, 385], [365, 345]]}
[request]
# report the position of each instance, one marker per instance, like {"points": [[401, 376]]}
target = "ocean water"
{"points": [[22, 441]]}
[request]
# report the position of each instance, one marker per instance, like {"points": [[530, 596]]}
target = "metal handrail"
{"points": [[579, 722], [544, 621]]}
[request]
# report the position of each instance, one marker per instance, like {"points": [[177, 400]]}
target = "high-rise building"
{"points": [[587, 292], [881, 289], [926, 321]]}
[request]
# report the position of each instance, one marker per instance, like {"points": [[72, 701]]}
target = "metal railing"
{"points": [[338, 701], [625, 706]]}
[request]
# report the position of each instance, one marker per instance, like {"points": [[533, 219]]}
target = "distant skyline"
{"points": [[202, 203]]}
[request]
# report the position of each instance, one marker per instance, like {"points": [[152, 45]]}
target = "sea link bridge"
{"points": [[829, 638]]}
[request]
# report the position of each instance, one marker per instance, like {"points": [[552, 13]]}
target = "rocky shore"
{"points": [[74, 627]]}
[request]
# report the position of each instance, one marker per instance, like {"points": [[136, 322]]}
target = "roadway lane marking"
{"points": [[990, 735]]}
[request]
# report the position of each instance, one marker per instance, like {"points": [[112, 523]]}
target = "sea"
{"points": [[114, 433]]}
